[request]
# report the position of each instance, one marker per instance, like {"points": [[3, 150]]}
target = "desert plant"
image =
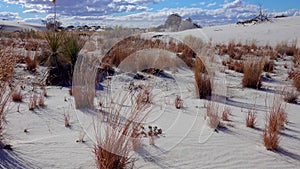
{"points": [[17, 96], [278, 114], [33, 102], [271, 139], [250, 119], [225, 114], [212, 114], [290, 95], [178, 102], [202, 79], [252, 73], [7, 64], [72, 45], [296, 80], [67, 120], [41, 100], [116, 142]]}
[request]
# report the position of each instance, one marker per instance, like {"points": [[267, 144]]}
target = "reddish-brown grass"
{"points": [[118, 140], [250, 119], [252, 73], [31, 64], [17, 96], [296, 80], [7, 64], [271, 140], [202, 79], [225, 114], [213, 114], [178, 102], [41, 100]]}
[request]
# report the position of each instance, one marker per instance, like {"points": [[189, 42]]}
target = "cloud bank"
{"points": [[136, 13]]}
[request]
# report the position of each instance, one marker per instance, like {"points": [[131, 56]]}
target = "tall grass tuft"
{"points": [[275, 121], [250, 119], [202, 79], [252, 73], [118, 137], [7, 64]]}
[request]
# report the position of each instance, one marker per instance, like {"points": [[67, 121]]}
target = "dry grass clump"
{"points": [[290, 95], [252, 73], [213, 114], [118, 137], [7, 64], [285, 49], [31, 64], [250, 119], [275, 121], [124, 48], [202, 79], [225, 114], [17, 96], [33, 102], [269, 66], [144, 96], [296, 81], [178, 102]]}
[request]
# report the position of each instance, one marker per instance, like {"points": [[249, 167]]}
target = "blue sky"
{"points": [[143, 13]]}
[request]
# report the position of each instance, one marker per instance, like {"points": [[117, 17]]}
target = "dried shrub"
{"points": [[202, 80], [296, 80], [296, 59], [7, 64], [115, 143], [250, 119], [225, 114], [285, 49], [271, 139], [41, 100], [290, 95], [269, 66], [144, 96], [252, 73], [31, 64], [17, 96], [33, 102], [213, 114], [239, 66], [178, 102], [67, 120]]}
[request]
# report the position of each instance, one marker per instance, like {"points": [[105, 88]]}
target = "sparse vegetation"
{"points": [[252, 73], [202, 80], [225, 114], [115, 144], [250, 119], [17, 96], [212, 113], [178, 102], [275, 121], [7, 64]]}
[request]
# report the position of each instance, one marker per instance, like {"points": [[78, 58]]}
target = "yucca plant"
{"points": [[73, 43], [54, 41]]}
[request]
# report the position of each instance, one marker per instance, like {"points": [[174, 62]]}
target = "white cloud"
{"points": [[9, 15], [86, 7], [211, 4], [102, 12]]}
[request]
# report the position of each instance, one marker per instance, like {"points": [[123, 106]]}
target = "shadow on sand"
{"points": [[10, 159]]}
